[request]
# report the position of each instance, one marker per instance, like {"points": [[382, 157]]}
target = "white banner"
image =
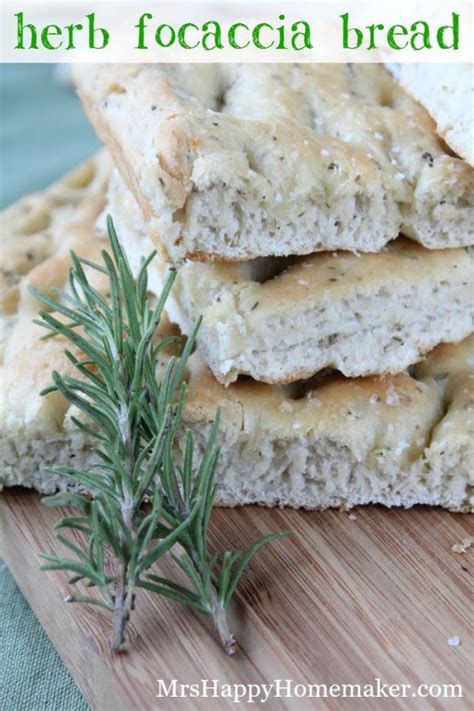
{"points": [[190, 31]]}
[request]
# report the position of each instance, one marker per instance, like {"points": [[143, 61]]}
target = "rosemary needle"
{"points": [[142, 501]]}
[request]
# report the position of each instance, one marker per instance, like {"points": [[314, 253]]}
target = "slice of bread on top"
{"points": [[236, 161]]}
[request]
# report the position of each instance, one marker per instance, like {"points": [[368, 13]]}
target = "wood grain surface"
{"points": [[344, 601]]}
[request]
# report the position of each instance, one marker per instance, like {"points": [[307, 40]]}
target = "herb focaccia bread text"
{"points": [[240, 161], [332, 441]]}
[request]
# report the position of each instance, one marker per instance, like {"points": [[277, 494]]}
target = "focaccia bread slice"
{"points": [[332, 441], [396, 441], [237, 161], [279, 320], [49, 222], [447, 93]]}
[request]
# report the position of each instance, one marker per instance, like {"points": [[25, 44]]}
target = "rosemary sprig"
{"points": [[141, 501]]}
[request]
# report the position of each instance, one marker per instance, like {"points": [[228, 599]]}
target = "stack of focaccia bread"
{"points": [[320, 227]]}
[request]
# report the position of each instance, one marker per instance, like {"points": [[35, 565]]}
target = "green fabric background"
{"points": [[43, 134]]}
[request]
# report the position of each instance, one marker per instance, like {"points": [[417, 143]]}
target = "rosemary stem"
{"points": [[124, 591], [135, 417], [219, 617], [121, 611], [218, 613]]}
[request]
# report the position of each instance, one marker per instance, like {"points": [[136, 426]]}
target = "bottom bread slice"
{"points": [[330, 441], [398, 441]]}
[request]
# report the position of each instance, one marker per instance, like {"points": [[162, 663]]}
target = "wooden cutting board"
{"points": [[344, 601]]}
